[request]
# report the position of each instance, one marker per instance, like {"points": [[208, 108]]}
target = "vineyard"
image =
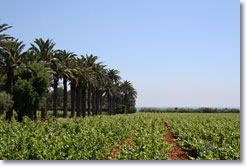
{"points": [[139, 136], [207, 136]]}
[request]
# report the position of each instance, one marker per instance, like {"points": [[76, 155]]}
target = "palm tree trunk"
{"points": [[30, 114], [89, 100], [126, 104], [93, 102], [35, 115], [10, 88], [44, 111], [116, 103], [72, 85], [104, 99], [100, 103], [128, 108], [78, 101], [113, 105], [20, 116], [64, 97], [83, 100], [109, 104], [97, 101], [55, 95]]}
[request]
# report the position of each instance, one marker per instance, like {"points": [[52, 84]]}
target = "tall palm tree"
{"points": [[99, 86], [128, 93], [77, 75], [114, 78], [66, 59], [90, 61], [73, 81], [83, 77], [116, 97], [11, 53], [102, 87], [43, 52], [80, 74], [56, 69]]}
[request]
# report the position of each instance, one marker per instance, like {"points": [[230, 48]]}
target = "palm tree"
{"points": [[11, 53], [90, 61], [99, 86], [43, 53], [128, 93], [77, 75], [55, 67], [116, 96], [114, 78], [102, 88], [43, 50], [66, 59], [85, 74], [73, 81]]}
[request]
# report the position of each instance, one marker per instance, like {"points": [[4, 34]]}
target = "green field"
{"points": [[206, 136]]}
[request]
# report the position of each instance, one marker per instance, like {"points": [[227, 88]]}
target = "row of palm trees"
{"points": [[89, 79]]}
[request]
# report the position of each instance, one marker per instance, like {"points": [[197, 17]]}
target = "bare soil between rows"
{"points": [[117, 150], [176, 152]]}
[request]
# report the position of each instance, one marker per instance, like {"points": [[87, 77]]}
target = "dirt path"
{"points": [[128, 142], [176, 152]]}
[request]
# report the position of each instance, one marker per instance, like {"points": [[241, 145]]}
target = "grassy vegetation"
{"points": [[207, 136], [99, 137], [91, 138]]}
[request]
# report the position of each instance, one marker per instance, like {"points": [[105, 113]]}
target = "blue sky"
{"points": [[176, 53]]}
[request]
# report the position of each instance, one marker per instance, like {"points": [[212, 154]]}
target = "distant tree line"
{"points": [[190, 110], [29, 81]]}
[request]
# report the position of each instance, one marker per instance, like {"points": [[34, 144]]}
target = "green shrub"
{"points": [[30, 89]]}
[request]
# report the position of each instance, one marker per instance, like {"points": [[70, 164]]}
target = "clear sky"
{"points": [[176, 53]]}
